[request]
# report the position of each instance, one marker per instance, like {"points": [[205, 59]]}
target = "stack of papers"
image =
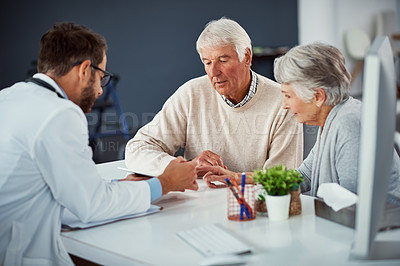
{"points": [[71, 222]]}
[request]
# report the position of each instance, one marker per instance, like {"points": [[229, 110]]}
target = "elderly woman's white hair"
{"points": [[224, 32], [310, 67]]}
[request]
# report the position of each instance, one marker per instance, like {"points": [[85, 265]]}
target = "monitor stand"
{"points": [[382, 250]]}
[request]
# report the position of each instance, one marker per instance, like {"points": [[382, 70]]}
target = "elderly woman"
{"points": [[315, 84]]}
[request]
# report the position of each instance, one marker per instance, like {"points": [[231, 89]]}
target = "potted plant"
{"points": [[278, 182]]}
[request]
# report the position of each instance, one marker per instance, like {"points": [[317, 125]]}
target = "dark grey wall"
{"points": [[151, 43]]}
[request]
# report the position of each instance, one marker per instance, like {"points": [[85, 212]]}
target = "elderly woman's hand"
{"points": [[215, 176]]}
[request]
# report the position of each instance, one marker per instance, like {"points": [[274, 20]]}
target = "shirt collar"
{"points": [[249, 95], [51, 82]]}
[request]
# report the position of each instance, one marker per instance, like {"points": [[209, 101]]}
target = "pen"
{"points": [[233, 191], [233, 181], [242, 205]]}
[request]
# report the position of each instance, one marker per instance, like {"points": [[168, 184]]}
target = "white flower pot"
{"points": [[278, 207]]}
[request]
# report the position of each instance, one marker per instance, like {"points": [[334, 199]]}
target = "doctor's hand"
{"points": [[218, 174], [178, 176], [207, 158]]}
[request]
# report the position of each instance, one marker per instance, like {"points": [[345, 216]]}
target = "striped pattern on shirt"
{"points": [[249, 95]]}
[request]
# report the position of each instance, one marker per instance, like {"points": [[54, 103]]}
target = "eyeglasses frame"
{"points": [[105, 80]]}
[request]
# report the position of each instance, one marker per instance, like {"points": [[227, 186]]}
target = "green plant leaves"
{"points": [[278, 181]]}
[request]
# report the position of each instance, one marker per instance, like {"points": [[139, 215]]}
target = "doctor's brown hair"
{"points": [[68, 43]]}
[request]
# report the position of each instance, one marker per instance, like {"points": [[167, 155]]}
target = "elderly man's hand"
{"points": [[207, 158]]}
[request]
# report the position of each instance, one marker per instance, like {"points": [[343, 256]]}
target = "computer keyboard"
{"points": [[211, 240]]}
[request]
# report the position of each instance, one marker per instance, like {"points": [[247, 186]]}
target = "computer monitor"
{"points": [[376, 152]]}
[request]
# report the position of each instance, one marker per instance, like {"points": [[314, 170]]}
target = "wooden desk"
{"points": [[151, 240]]}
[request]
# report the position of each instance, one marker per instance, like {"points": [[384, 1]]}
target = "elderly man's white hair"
{"points": [[224, 32]]}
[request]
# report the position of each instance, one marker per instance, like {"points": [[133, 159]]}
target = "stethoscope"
{"points": [[44, 84]]}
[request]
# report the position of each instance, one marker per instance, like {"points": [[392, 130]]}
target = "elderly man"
{"points": [[231, 118], [45, 161]]}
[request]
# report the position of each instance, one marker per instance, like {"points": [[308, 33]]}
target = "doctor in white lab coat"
{"points": [[45, 161]]}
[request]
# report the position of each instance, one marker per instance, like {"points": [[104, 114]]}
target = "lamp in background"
{"points": [[357, 43]]}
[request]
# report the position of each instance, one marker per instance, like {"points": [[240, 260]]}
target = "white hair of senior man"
{"points": [[313, 66], [224, 32]]}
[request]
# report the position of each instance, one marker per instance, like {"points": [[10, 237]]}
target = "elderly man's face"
{"points": [[228, 75]]}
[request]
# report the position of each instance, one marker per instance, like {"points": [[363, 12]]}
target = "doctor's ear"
{"points": [[85, 70], [320, 97]]}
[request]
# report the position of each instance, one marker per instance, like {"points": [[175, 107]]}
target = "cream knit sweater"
{"points": [[256, 135]]}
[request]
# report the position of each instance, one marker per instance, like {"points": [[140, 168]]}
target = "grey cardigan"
{"points": [[334, 157]]}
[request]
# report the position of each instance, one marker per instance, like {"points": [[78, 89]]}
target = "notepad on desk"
{"points": [[71, 222]]}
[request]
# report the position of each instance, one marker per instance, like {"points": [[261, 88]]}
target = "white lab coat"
{"points": [[46, 165]]}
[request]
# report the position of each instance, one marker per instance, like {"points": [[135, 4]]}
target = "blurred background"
{"points": [[152, 46]]}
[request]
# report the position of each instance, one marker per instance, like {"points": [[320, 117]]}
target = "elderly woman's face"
{"points": [[304, 112]]}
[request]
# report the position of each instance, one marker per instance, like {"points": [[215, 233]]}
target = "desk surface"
{"points": [[151, 240]]}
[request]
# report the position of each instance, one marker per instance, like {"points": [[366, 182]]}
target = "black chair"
{"points": [[100, 128]]}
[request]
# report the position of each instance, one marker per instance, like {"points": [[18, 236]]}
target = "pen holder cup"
{"points": [[238, 212]]}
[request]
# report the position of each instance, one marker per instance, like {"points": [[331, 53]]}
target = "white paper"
{"points": [[336, 196], [71, 222], [132, 171]]}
